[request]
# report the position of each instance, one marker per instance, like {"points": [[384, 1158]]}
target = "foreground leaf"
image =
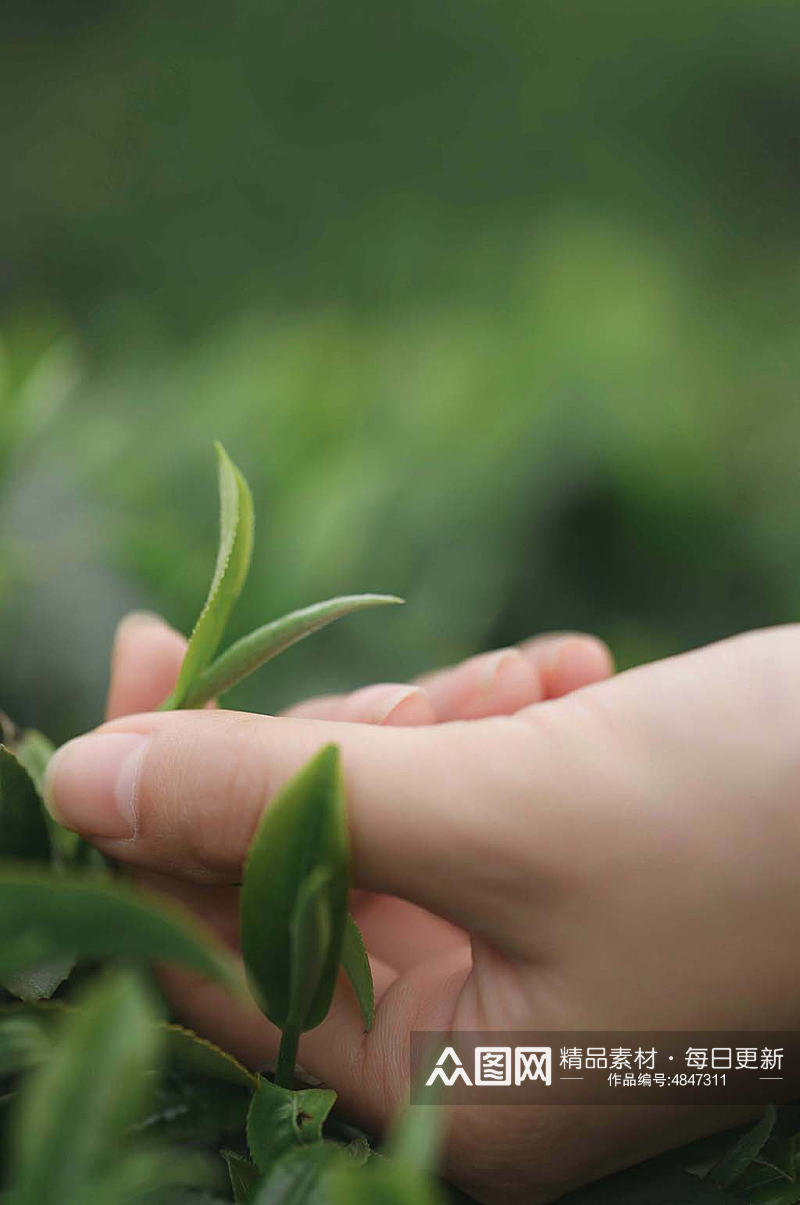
{"points": [[260, 646], [25, 836], [280, 1120], [81, 916], [731, 1166], [303, 830], [233, 563], [24, 1042], [23, 829], [300, 1177], [75, 1108], [355, 964], [34, 750]]}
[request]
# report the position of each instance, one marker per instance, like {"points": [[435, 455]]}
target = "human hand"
{"points": [[621, 857]]}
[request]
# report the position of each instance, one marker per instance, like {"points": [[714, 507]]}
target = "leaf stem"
{"points": [[287, 1057]]}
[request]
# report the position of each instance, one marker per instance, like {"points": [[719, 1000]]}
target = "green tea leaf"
{"points": [[171, 1176], [23, 829], [302, 830], [24, 1042], [233, 563], [300, 1177], [415, 1139], [310, 930], [83, 916], [75, 1108], [25, 835], [243, 1176], [260, 646], [780, 1193], [355, 964], [34, 750], [194, 1108], [187, 1051], [281, 1119], [732, 1165]]}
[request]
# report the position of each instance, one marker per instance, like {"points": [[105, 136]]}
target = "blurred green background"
{"points": [[496, 302]]}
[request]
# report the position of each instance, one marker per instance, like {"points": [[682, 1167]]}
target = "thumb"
{"points": [[433, 812]]}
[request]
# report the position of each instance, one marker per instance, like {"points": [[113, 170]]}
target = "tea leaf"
{"points": [[78, 1104], [187, 1051], [280, 1120], [732, 1165], [355, 964], [779, 1193], [233, 563], [303, 830], [39, 979], [170, 1176], [34, 750], [194, 1108], [24, 1042], [299, 1178], [401, 1179], [260, 646], [415, 1138], [243, 1176], [25, 835], [82, 916], [310, 932], [23, 828]]}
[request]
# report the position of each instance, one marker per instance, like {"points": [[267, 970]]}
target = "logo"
{"points": [[498, 1066]]}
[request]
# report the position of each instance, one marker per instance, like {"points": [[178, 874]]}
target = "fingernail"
{"points": [[578, 660], [90, 783], [504, 664], [396, 701]]}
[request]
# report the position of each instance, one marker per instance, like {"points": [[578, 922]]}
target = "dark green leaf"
{"points": [[24, 1041], [23, 829], [25, 836], [651, 1183], [302, 830], [781, 1192], [732, 1165], [243, 1175], [281, 1119], [260, 646], [193, 1108], [233, 563], [355, 964], [75, 1108], [63, 915]]}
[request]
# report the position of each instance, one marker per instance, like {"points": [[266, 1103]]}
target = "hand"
{"points": [[621, 857]]}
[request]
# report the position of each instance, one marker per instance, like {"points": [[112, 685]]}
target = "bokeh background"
{"points": [[496, 302]]}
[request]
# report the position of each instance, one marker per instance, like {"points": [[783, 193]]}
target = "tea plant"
{"points": [[101, 1098], [105, 1101]]}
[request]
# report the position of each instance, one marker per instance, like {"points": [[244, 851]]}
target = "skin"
{"points": [[536, 844]]}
